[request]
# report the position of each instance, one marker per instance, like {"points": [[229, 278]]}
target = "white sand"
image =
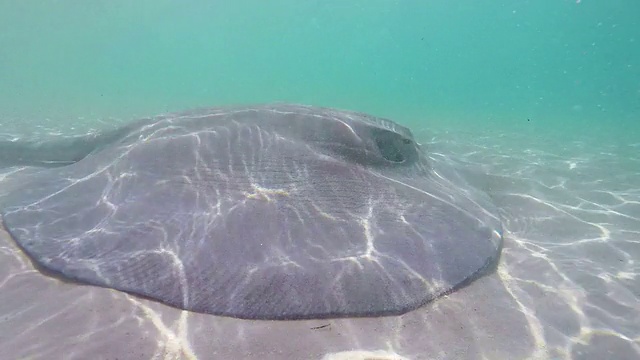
{"points": [[568, 284]]}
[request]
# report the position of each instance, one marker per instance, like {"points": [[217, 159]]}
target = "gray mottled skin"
{"points": [[265, 212]]}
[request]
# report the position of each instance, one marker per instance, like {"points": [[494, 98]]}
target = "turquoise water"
{"points": [[542, 96], [563, 66]]}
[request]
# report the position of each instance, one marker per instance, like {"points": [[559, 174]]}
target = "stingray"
{"points": [[263, 212]]}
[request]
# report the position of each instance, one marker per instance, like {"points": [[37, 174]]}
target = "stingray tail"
{"points": [[55, 152], [49, 153]]}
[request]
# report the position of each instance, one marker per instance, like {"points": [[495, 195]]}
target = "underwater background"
{"points": [[552, 66], [542, 96]]}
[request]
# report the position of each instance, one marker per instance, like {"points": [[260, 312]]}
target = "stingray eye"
{"points": [[406, 141], [389, 149]]}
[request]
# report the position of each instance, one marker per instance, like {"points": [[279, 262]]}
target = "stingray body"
{"points": [[264, 212]]}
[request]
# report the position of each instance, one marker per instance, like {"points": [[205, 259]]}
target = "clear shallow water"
{"points": [[543, 96], [558, 63]]}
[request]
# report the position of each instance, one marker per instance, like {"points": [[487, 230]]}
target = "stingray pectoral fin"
{"points": [[259, 213]]}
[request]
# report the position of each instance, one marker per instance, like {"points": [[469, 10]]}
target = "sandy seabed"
{"points": [[567, 286]]}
